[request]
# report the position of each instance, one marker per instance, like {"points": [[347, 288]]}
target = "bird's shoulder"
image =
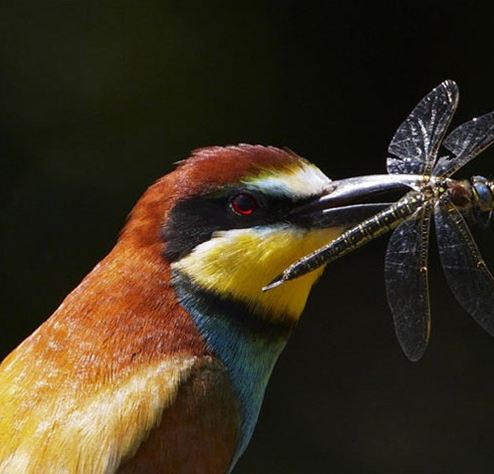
{"points": [[198, 431], [147, 416]]}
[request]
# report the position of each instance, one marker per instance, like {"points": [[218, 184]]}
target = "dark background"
{"points": [[98, 99]]}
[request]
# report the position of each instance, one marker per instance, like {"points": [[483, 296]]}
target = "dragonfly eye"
{"points": [[483, 195], [243, 204]]}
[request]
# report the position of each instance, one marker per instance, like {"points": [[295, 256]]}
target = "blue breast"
{"points": [[247, 345]]}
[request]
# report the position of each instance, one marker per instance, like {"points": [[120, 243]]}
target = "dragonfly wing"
{"points": [[465, 270], [407, 287], [466, 142], [416, 142]]}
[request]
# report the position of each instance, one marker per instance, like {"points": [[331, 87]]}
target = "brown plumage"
{"points": [[120, 378]]}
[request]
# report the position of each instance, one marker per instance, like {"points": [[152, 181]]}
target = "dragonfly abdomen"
{"points": [[378, 225], [383, 222], [358, 236]]}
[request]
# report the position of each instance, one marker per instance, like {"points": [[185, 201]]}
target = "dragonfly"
{"points": [[432, 195]]}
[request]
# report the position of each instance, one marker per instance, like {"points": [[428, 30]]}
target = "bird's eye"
{"points": [[244, 204]]}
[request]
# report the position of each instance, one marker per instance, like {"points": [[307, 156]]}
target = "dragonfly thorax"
{"points": [[473, 197], [477, 193], [461, 193]]}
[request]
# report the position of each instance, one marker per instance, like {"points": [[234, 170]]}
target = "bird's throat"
{"points": [[236, 264]]}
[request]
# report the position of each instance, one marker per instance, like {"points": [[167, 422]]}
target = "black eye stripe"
{"points": [[192, 221]]}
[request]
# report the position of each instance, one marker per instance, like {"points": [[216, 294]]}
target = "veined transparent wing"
{"points": [[407, 286], [465, 270], [466, 142], [416, 142]]}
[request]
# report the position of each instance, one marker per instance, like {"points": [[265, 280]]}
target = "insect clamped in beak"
{"points": [[348, 203]]}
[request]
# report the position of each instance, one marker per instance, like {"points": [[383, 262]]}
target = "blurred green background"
{"points": [[98, 99]]}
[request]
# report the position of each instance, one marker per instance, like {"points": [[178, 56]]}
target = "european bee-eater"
{"points": [[158, 361]]}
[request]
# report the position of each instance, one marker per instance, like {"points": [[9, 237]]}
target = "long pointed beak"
{"points": [[348, 201], [345, 204]]}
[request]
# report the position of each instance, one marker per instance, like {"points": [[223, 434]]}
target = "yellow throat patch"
{"points": [[238, 263]]}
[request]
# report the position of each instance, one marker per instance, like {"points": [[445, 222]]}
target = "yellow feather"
{"points": [[239, 262], [83, 429]]}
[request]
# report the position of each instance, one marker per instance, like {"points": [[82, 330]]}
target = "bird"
{"points": [[159, 359]]}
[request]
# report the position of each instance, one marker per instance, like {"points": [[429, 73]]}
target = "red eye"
{"points": [[244, 204]]}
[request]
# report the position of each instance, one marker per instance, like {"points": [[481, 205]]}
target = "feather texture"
{"points": [[127, 375]]}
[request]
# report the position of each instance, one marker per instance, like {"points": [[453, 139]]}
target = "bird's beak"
{"points": [[350, 201]]}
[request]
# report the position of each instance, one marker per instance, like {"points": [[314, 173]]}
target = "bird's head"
{"points": [[230, 219]]}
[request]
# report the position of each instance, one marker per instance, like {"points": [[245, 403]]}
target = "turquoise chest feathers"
{"points": [[247, 345]]}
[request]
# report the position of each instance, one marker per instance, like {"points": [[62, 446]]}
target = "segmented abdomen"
{"points": [[357, 236]]}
